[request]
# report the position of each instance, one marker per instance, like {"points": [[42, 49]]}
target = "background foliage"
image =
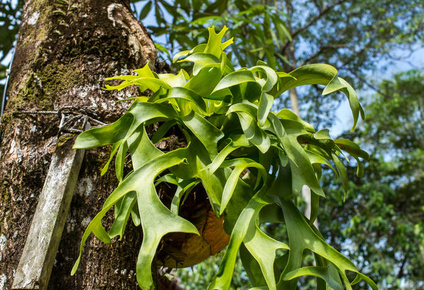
{"points": [[383, 217]]}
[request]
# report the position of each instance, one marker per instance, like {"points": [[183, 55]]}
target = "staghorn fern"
{"points": [[225, 116]]}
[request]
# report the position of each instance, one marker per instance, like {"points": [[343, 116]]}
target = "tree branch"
{"points": [[318, 6], [368, 83], [317, 17], [400, 273], [325, 47], [311, 22]]}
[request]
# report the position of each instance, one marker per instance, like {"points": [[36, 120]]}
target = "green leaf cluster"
{"points": [[251, 161]]}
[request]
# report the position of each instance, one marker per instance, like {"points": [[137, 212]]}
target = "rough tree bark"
{"points": [[64, 51]]}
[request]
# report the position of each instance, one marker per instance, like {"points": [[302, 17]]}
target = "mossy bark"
{"points": [[65, 50]]}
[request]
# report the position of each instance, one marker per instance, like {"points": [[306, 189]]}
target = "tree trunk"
{"points": [[289, 53], [64, 52]]}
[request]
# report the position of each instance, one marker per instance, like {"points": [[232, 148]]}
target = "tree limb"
{"points": [[368, 83], [312, 21], [400, 273], [317, 17], [325, 47]]}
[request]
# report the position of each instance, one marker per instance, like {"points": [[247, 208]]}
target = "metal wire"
{"points": [[69, 116]]}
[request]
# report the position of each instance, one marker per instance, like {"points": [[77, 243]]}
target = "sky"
{"points": [[412, 61]]}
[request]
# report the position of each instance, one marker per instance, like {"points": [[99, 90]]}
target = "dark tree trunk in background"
{"points": [[64, 52]]}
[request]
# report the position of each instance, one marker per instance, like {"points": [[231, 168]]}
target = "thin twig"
{"points": [[317, 17], [325, 47], [312, 21]]}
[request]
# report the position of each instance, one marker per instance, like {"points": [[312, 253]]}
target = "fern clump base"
{"points": [[249, 163]]}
